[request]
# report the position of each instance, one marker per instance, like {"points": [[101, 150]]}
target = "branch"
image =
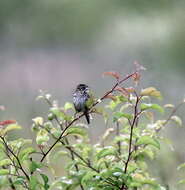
{"points": [[124, 187], [171, 114], [131, 134], [77, 118], [16, 157], [86, 162], [10, 181]]}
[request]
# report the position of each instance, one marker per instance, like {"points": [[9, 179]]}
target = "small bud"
{"points": [[51, 116]]}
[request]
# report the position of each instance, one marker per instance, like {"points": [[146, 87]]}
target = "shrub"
{"points": [[117, 162]]}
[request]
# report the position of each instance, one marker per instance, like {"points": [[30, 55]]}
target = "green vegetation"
{"points": [[118, 161]]}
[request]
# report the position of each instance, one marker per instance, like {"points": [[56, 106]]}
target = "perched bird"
{"points": [[82, 100]]}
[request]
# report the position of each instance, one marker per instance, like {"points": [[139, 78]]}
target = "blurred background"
{"points": [[55, 45]]}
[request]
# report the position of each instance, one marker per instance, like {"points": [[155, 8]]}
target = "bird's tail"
{"points": [[87, 116]]}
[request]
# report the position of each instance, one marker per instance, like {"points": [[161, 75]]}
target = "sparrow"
{"points": [[82, 100]]}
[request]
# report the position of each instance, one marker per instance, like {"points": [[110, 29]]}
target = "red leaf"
{"points": [[113, 74], [7, 122], [125, 91], [122, 90], [130, 89], [111, 97]]}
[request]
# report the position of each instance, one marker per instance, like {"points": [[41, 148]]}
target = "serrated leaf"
{"points": [[38, 120], [151, 91], [157, 107], [119, 115], [106, 152], [5, 162], [147, 140], [177, 120]]}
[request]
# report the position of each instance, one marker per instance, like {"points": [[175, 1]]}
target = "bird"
{"points": [[82, 100]]}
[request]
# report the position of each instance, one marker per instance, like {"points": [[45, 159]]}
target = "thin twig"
{"points": [[171, 114], [131, 135], [118, 134], [77, 118], [124, 187], [15, 156]]}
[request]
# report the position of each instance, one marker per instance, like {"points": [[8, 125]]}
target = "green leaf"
{"points": [[5, 162], [10, 128], [151, 91], [181, 182], [57, 112], [177, 120], [181, 166], [38, 120], [147, 140], [157, 107], [42, 137], [107, 151], [24, 154], [4, 171], [143, 153], [34, 183], [60, 114], [46, 180], [88, 177], [34, 166], [55, 132], [68, 105], [119, 115], [19, 180], [76, 131], [151, 182], [114, 103]]}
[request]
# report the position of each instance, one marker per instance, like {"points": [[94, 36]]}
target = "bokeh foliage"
{"points": [[119, 160]]}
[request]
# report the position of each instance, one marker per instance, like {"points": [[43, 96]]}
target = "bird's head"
{"points": [[82, 88]]}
